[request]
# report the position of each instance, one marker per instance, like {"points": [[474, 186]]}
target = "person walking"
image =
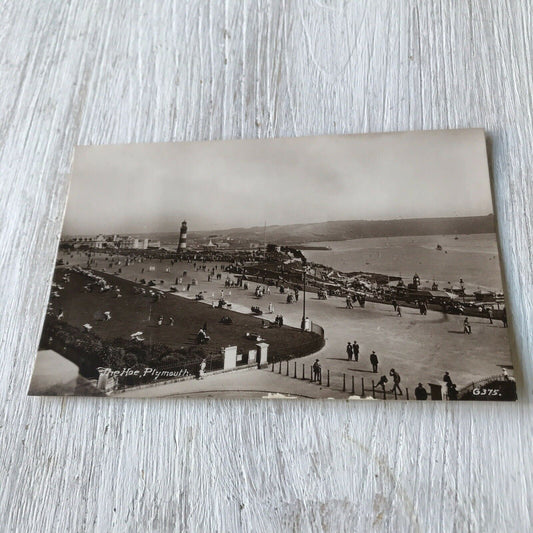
{"points": [[317, 371], [355, 348], [421, 393], [374, 362], [489, 315], [504, 317], [349, 350], [398, 310], [396, 380], [394, 305], [467, 328]]}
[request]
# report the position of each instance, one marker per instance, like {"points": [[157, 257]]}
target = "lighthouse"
{"points": [[182, 244]]}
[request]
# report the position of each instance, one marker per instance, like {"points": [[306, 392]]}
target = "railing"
{"points": [[339, 381]]}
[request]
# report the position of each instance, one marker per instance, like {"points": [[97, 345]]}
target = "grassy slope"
{"points": [[135, 312]]}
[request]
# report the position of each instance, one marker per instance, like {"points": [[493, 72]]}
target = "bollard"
{"points": [[295, 370], [344, 383], [406, 393], [279, 371], [287, 373], [328, 378], [353, 384], [320, 377], [362, 387], [303, 371], [272, 366], [373, 390], [395, 394]]}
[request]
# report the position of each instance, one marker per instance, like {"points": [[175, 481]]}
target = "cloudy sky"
{"points": [[142, 188]]}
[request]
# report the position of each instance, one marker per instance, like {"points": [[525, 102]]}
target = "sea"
{"points": [[474, 258]]}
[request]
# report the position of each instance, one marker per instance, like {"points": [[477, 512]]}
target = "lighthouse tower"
{"points": [[182, 244]]}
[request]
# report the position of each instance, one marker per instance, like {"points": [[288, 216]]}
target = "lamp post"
{"points": [[303, 313]]}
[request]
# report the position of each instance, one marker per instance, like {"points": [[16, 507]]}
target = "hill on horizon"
{"points": [[341, 230]]}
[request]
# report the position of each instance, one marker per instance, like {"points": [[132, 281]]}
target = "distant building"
{"points": [[99, 241], [128, 242], [154, 244]]}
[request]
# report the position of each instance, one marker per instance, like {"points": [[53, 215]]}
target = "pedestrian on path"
{"points": [[396, 380], [349, 350], [317, 371], [374, 361], [398, 310], [355, 347]]}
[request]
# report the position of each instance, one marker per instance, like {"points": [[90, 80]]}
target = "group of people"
{"points": [[352, 351], [278, 320], [451, 389], [351, 299], [261, 290], [161, 320], [395, 381]]}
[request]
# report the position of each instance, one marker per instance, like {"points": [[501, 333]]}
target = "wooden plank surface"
{"points": [[117, 72]]}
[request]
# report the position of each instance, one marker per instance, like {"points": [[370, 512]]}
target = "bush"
{"points": [[88, 352]]}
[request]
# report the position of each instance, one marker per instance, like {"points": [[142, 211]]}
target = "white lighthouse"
{"points": [[182, 244]]}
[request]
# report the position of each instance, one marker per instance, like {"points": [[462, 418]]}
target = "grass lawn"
{"points": [[136, 312]]}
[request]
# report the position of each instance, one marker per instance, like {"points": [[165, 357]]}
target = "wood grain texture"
{"points": [[118, 72]]}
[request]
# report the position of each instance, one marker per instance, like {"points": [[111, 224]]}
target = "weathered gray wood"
{"points": [[110, 72]]}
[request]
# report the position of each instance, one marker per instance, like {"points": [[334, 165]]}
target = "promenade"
{"points": [[420, 348]]}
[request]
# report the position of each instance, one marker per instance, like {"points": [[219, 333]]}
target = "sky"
{"points": [[143, 188]]}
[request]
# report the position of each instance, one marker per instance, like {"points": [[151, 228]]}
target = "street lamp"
{"points": [[305, 281]]}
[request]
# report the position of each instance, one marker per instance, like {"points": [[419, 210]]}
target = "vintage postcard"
{"points": [[344, 267]]}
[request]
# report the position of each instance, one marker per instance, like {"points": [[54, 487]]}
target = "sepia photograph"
{"points": [[331, 267]]}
